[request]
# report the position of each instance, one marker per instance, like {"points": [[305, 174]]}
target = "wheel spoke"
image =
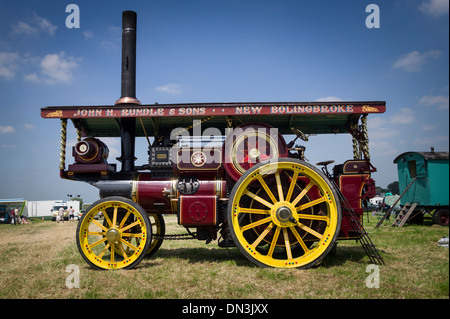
{"points": [[124, 219], [302, 193], [253, 211], [94, 233], [128, 244], [259, 199], [130, 226], [132, 235], [263, 234], [97, 242], [114, 221], [124, 254], [313, 217], [287, 243], [104, 251], [292, 185], [274, 242], [112, 253], [279, 187], [99, 225], [299, 239], [253, 225], [107, 219], [309, 230], [266, 188], [311, 203]]}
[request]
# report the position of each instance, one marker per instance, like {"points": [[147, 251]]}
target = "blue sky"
{"points": [[221, 51]]}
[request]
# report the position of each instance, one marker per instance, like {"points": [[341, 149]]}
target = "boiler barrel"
{"points": [[153, 194], [160, 195], [150, 193]]}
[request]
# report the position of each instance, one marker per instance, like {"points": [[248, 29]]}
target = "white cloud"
{"points": [[381, 128], [414, 60], [112, 39], [58, 67], [435, 8], [375, 122], [8, 64], [431, 140], [33, 26], [439, 101], [405, 116], [88, 34], [428, 127], [8, 146], [54, 68], [109, 45], [7, 129], [23, 28], [28, 126], [329, 99], [33, 77], [382, 133], [45, 25], [384, 148], [171, 88]]}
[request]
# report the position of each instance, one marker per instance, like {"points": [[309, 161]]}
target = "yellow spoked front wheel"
{"points": [[284, 214], [121, 240]]}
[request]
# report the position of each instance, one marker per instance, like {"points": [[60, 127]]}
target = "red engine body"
{"points": [[194, 182]]}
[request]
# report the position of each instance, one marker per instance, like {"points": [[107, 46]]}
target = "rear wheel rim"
{"points": [[158, 232], [284, 214]]}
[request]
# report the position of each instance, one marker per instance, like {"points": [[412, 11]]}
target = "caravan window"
{"points": [[412, 169]]}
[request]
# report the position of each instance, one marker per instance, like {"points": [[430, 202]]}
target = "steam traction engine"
{"points": [[224, 169]]}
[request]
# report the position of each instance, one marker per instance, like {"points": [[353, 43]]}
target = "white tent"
{"points": [[32, 209], [43, 208]]}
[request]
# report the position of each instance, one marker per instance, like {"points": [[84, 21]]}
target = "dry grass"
{"points": [[34, 259]]}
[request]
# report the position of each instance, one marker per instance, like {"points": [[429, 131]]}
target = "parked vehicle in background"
{"points": [[55, 210]]}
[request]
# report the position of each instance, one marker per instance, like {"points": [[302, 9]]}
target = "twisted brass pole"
{"points": [[62, 154]]}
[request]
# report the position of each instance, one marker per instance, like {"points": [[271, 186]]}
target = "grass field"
{"points": [[34, 258]]}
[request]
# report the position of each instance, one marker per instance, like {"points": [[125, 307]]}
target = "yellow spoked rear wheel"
{"points": [[158, 232], [121, 240], [284, 214]]}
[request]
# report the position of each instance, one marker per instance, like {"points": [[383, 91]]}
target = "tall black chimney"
{"points": [[128, 89], [128, 92]]}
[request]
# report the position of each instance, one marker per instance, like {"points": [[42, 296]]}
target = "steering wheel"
{"points": [[325, 163], [299, 133]]}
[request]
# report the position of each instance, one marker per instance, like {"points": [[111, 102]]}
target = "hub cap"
{"points": [[113, 235], [283, 214]]}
